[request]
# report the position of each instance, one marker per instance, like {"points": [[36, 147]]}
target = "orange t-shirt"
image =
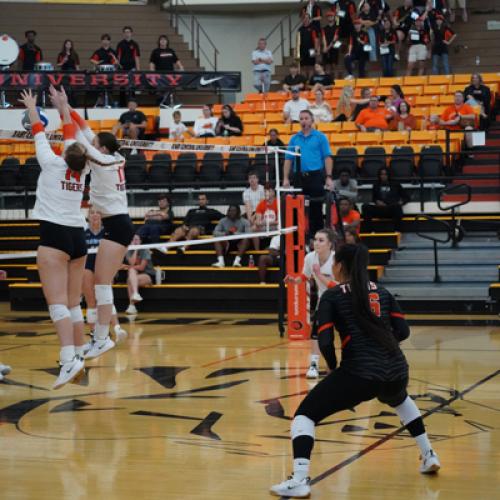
{"points": [[452, 112], [372, 118], [347, 220], [268, 211]]}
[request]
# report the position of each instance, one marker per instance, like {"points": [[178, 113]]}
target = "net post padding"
{"points": [[298, 304]]}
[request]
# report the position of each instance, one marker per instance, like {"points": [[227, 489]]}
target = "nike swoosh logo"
{"points": [[204, 81]]}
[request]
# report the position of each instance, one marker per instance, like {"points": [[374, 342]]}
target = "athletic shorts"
{"points": [[90, 262], [70, 240], [417, 53], [118, 228], [454, 4]]}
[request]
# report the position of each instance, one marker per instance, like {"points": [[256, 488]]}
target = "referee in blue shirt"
{"points": [[314, 169]]}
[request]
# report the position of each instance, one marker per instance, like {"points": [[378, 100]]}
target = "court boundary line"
{"points": [[376, 444]]}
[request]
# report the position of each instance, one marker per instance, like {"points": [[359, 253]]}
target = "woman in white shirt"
{"points": [[206, 126], [108, 196], [321, 110], [318, 266], [62, 250]]}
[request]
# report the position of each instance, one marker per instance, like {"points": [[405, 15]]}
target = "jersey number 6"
{"points": [[374, 303]]}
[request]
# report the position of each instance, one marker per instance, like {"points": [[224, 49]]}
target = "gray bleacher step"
{"points": [[429, 261], [473, 273], [439, 291], [430, 279], [479, 254]]}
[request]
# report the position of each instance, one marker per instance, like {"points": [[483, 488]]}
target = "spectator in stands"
{"points": [[387, 40], [198, 221], [356, 51], [431, 123], [308, 45], [351, 236], [345, 15], [178, 129], [320, 80], [458, 4], [140, 272], [229, 123], [418, 52], [388, 198], [351, 219], [294, 79], [330, 43], [274, 139], [313, 11], [321, 110], [252, 195], [345, 106], [105, 54], [443, 36], [482, 95], [205, 126], [266, 213], [372, 118], [403, 119], [293, 107], [369, 19], [345, 186], [163, 58], [128, 51], [157, 221], [401, 20], [132, 123], [397, 95], [230, 225], [314, 171], [459, 115], [67, 59], [29, 52], [262, 58], [361, 103], [271, 259]]}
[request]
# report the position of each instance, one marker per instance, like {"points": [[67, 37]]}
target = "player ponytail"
{"points": [[108, 141], [354, 260]]}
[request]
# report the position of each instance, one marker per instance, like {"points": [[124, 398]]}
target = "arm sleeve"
{"points": [[92, 152], [325, 317], [400, 327], [82, 125], [325, 147]]}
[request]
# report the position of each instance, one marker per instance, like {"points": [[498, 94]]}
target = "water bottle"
{"points": [[478, 60], [158, 275], [251, 262]]}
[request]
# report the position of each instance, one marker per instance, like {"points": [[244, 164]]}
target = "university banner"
{"points": [[122, 80]]}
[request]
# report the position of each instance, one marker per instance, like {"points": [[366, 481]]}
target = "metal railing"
{"points": [[200, 42], [282, 35]]}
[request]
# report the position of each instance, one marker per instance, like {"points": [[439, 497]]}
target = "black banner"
{"points": [[121, 80]]}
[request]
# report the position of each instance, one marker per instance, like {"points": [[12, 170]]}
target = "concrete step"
{"points": [[450, 254], [464, 273], [429, 261], [439, 291]]}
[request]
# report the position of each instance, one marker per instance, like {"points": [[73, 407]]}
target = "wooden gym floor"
{"points": [[192, 407]]}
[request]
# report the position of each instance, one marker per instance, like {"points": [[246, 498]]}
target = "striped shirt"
{"points": [[363, 355]]}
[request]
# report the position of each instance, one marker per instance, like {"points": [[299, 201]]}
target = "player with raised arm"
{"points": [[370, 326], [62, 249]]}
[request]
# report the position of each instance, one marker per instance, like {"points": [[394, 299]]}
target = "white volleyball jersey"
{"points": [[59, 191], [108, 193], [326, 270]]}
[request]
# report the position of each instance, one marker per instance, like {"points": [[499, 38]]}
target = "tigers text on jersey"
{"points": [[362, 355], [59, 191], [108, 192]]}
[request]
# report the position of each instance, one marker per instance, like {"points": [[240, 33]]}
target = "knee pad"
{"points": [[114, 312], [76, 314], [91, 315], [58, 312], [104, 295], [302, 426]]}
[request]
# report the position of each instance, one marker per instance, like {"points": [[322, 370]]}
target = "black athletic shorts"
{"points": [[68, 239], [119, 228], [90, 262]]}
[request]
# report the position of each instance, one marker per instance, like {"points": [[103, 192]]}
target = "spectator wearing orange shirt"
{"points": [[431, 123], [403, 120], [459, 115], [266, 213], [372, 118], [351, 219]]}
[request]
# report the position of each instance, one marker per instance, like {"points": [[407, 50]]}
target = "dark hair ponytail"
{"points": [[354, 260], [108, 140]]}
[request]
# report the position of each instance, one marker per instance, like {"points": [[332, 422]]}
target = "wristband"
{"points": [[36, 128]]}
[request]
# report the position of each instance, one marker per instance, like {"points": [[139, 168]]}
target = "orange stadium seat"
{"points": [[412, 89], [252, 118], [245, 140], [461, 79], [368, 138], [400, 137], [389, 81], [440, 79], [282, 128], [349, 127], [456, 87], [254, 97], [491, 77], [427, 100], [274, 117], [217, 140], [346, 83], [242, 107], [95, 125], [435, 90], [342, 139], [415, 80], [383, 91], [295, 128], [107, 125], [255, 130], [422, 137], [367, 82], [329, 127], [258, 140], [446, 100], [217, 109]]}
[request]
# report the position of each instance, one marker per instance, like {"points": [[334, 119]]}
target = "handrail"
{"points": [[284, 25], [195, 28]]}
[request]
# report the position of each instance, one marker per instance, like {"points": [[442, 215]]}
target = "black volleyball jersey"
{"points": [[363, 355]]}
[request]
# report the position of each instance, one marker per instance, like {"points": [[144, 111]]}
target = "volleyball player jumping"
{"points": [[370, 325], [62, 249], [108, 196]]}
